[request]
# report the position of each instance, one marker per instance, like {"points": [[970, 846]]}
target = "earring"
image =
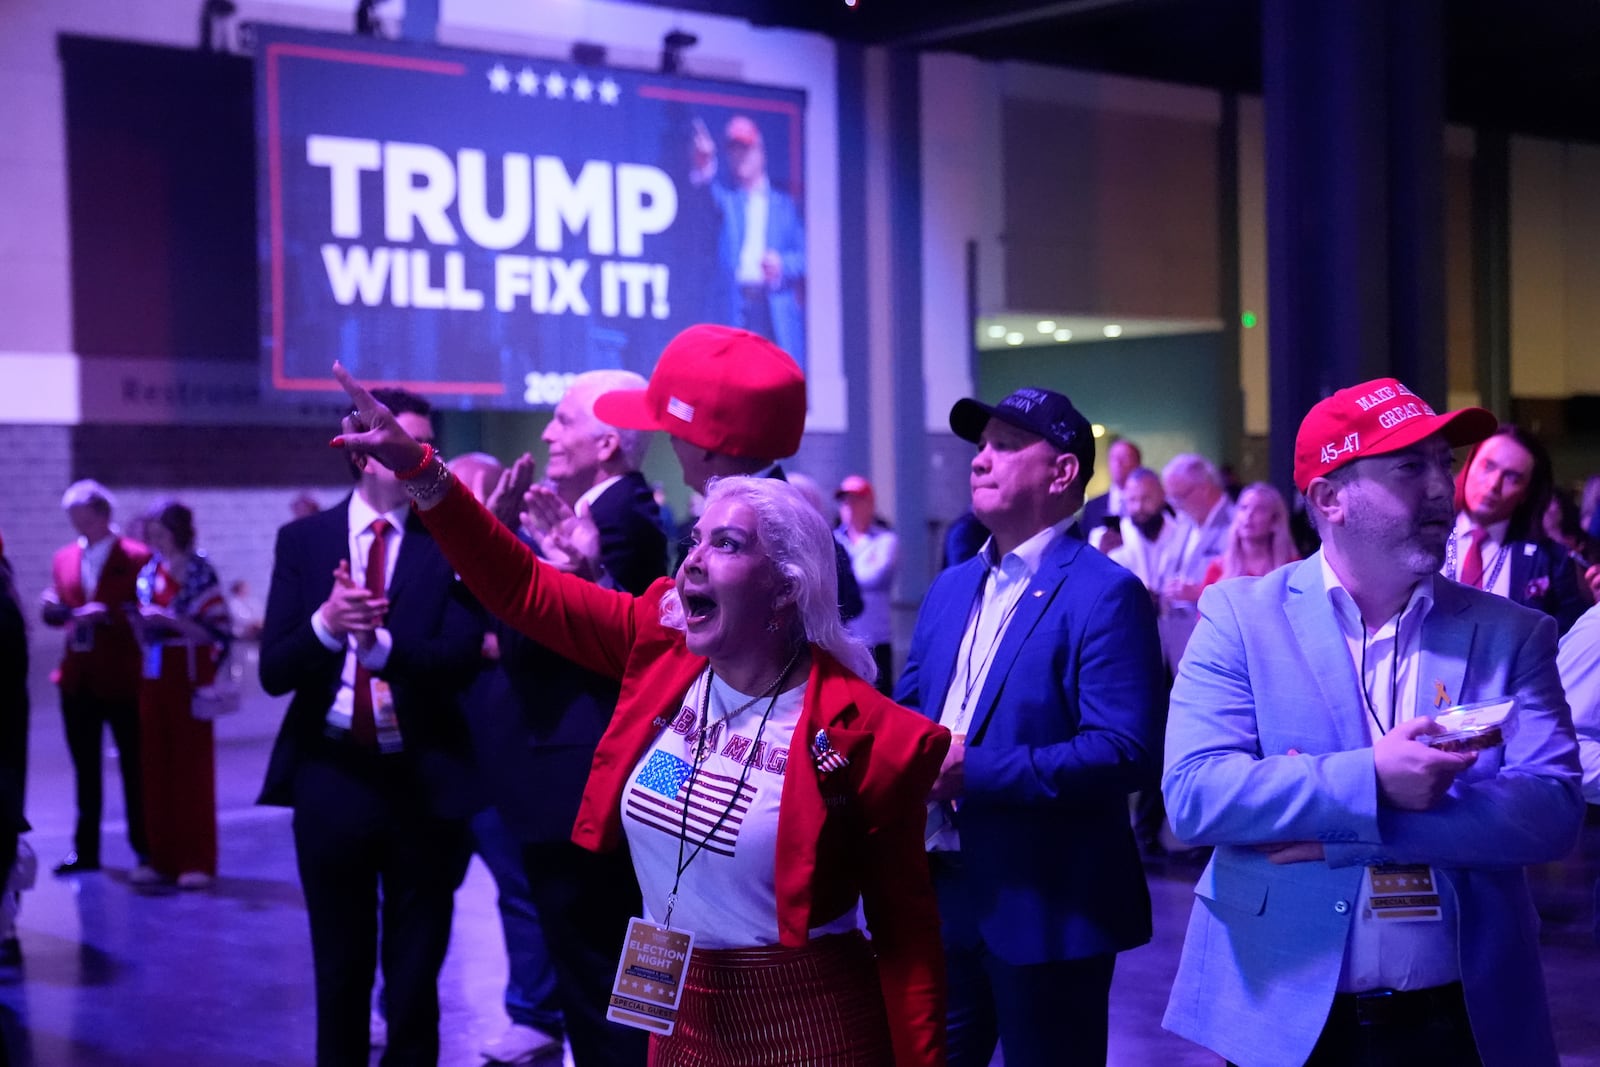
{"points": [[773, 625]]}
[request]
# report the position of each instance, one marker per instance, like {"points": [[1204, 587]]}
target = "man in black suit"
{"points": [[536, 718], [1122, 459], [1498, 544], [367, 626]]}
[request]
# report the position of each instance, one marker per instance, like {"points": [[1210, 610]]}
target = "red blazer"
{"points": [[110, 668], [856, 833]]}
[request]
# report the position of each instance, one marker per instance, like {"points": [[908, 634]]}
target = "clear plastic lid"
{"points": [[1469, 727]]}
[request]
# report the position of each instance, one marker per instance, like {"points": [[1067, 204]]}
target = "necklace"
{"points": [[706, 725]]}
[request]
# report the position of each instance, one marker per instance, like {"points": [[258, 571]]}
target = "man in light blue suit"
{"points": [[1366, 902], [1041, 656], [760, 241]]}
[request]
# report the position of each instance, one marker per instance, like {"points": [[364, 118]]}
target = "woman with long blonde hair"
{"points": [[1259, 541]]}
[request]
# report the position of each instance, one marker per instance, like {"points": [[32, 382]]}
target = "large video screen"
{"points": [[480, 227]]}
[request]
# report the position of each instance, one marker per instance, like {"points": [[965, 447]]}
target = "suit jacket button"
{"points": [[1341, 906]]}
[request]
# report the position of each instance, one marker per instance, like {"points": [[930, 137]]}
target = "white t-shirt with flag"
{"points": [[728, 891]]}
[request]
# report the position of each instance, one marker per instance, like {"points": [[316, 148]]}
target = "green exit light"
{"points": [[1248, 319]]}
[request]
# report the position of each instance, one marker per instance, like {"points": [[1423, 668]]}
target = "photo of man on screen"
{"points": [[760, 237]]}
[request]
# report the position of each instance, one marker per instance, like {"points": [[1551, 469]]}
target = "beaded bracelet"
{"points": [[429, 487], [422, 464]]}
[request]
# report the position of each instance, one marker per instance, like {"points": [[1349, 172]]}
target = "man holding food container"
{"points": [[1375, 752]]}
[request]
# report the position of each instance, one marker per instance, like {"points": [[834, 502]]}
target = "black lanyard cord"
{"points": [[694, 772], [1394, 677]]}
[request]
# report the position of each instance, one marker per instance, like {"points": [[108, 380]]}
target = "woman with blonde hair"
{"points": [[1259, 541], [770, 798]]}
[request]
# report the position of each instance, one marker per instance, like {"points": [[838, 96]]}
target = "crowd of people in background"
{"points": [[532, 661]]}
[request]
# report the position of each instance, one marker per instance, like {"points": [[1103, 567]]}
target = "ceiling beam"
{"points": [[1061, 9]]}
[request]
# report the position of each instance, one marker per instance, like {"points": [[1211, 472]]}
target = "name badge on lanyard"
{"points": [[1406, 893], [649, 981]]}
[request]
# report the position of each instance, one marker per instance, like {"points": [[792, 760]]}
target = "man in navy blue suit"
{"points": [[760, 242], [1041, 657], [369, 629]]}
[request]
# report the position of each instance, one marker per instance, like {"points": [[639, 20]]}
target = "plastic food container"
{"points": [[1471, 727]]}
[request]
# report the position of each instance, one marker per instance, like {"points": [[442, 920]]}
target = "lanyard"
{"points": [[1451, 570], [694, 772], [1394, 677], [994, 642]]}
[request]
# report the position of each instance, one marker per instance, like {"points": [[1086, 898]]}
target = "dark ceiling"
{"points": [[1524, 66]]}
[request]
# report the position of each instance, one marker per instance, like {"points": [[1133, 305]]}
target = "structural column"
{"points": [[1355, 189], [905, 331]]}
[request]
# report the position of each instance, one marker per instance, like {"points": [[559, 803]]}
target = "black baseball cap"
{"points": [[1038, 411]]}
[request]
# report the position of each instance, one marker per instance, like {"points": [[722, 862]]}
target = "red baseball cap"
{"points": [[854, 483], [719, 388], [1374, 418], [742, 130]]}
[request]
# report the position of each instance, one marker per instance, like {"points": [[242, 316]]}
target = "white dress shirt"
{"points": [[754, 249], [93, 562], [1004, 583], [1579, 663], [1386, 954], [374, 659]]}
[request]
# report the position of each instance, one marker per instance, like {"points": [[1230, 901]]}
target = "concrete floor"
{"points": [[116, 978]]}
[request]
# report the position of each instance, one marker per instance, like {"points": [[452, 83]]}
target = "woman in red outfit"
{"points": [[184, 628], [769, 796]]}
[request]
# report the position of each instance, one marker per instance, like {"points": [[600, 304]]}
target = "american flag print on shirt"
{"points": [[658, 795]]}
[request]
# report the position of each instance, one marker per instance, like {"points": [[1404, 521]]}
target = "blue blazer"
{"points": [[786, 236], [1068, 723], [1268, 670]]}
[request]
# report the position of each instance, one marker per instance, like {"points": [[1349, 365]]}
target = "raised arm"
{"points": [[591, 626]]}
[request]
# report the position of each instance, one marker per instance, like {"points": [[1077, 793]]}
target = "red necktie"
{"points": [[1472, 563], [363, 726]]}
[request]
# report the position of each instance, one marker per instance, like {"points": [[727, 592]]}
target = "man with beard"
{"points": [[1122, 458], [1151, 539], [1366, 901], [1205, 512], [1498, 544]]}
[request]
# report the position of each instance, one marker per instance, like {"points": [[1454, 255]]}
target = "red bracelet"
{"points": [[422, 464]]}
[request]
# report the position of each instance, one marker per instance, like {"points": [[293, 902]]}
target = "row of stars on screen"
{"points": [[555, 85]]}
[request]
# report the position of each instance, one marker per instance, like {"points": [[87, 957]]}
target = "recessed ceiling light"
{"points": [[1063, 335], [1047, 325], [1013, 338], [997, 331], [1113, 330]]}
